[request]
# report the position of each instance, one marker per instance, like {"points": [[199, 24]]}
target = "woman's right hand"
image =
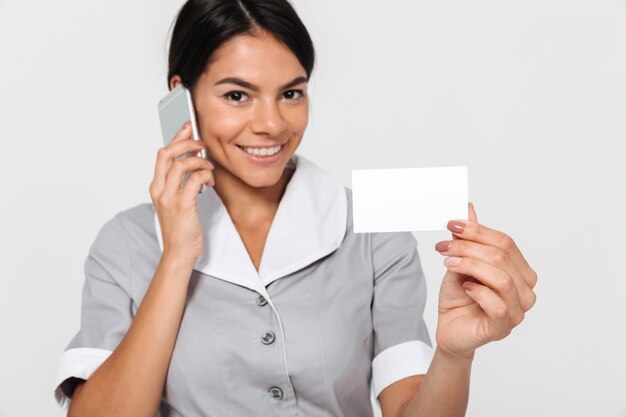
{"points": [[175, 205]]}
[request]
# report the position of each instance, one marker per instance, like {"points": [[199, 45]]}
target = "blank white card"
{"points": [[408, 199]]}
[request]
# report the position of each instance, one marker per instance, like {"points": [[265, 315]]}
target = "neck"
{"points": [[249, 206]]}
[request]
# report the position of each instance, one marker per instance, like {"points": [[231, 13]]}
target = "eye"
{"points": [[235, 96], [293, 95]]}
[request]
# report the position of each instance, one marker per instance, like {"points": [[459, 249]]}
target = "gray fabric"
{"points": [[337, 314], [106, 300]]}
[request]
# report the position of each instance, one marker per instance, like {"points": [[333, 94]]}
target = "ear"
{"points": [[174, 81]]}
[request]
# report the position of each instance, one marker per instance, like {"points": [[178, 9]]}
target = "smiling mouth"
{"points": [[262, 151]]}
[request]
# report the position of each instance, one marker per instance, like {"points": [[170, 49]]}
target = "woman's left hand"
{"points": [[486, 290]]}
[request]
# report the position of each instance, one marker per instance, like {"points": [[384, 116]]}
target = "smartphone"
{"points": [[174, 110]]}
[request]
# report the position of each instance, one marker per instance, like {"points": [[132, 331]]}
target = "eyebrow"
{"points": [[245, 84]]}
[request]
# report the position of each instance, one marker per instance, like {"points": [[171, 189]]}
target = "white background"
{"points": [[530, 95]]}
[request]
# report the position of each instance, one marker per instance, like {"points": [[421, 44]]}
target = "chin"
{"points": [[262, 180]]}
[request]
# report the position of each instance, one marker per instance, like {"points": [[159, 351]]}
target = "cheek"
{"points": [[298, 119], [224, 123]]}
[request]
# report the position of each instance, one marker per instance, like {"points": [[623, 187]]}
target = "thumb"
{"points": [[472, 213]]}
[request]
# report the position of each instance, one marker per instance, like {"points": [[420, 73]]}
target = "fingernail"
{"points": [[451, 261], [469, 285], [456, 226], [443, 245], [186, 125]]}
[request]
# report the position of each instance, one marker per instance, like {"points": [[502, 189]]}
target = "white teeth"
{"points": [[263, 151]]}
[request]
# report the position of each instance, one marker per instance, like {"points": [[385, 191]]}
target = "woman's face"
{"points": [[251, 96]]}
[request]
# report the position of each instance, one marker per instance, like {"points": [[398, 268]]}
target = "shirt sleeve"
{"points": [[106, 311], [402, 345]]}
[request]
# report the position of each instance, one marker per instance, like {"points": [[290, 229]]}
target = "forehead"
{"points": [[261, 59]]}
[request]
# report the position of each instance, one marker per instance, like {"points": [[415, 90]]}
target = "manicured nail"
{"points": [[443, 245], [456, 226], [451, 261]]}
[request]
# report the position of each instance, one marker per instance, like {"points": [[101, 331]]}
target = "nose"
{"points": [[267, 119]]}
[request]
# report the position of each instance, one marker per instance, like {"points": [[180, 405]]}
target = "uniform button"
{"points": [[261, 301], [267, 338], [276, 393]]}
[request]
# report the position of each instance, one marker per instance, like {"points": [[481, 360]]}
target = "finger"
{"points": [[493, 256], [498, 323], [165, 153], [177, 172], [183, 133], [179, 149], [472, 213], [195, 181], [166, 156], [498, 280], [471, 217], [469, 230]]}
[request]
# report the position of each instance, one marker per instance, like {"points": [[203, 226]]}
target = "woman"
{"points": [[255, 297]]}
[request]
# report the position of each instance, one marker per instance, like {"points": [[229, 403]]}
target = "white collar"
{"points": [[309, 224]]}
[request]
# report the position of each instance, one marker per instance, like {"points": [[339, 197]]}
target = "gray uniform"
{"points": [[330, 318]]}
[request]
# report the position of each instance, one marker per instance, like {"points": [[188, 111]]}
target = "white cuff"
{"points": [[79, 363], [398, 362]]}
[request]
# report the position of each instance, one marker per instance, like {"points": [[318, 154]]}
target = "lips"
{"points": [[262, 151], [261, 146]]}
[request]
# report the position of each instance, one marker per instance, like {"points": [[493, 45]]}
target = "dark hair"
{"points": [[202, 26]]}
